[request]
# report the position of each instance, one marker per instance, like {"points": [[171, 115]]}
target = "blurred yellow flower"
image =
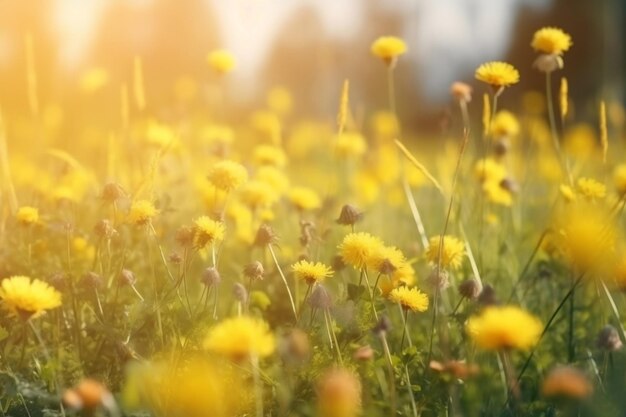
{"points": [[227, 175], [504, 124], [258, 194], [141, 212], [311, 272], [28, 299], [409, 298], [338, 394], [279, 100], [27, 215], [221, 61], [350, 144], [550, 40], [567, 193], [452, 252], [304, 198], [357, 249], [269, 155], [497, 74], [207, 230], [274, 177], [388, 48], [504, 327], [94, 79], [566, 382], [240, 338], [591, 189]]}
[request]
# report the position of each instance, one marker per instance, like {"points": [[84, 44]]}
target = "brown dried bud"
{"points": [[112, 192], [349, 215], [438, 278], [254, 271], [264, 236], [320, 298], [240, 293], [510, 185], [501, 147], [306, 232], [92, 280], [548, 63], [58, 280], [470, 288], [184, 236], [104, 229], [338, 264], [488, 296], [608, 339], [364, 353], [461, 91], [127, 277], [211, 276], [175, 258], [383, 326]]}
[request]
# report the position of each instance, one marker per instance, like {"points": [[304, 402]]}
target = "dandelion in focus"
{"points": [[28, 298]]}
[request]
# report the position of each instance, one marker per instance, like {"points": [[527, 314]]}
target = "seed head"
{"points": [[254, 271], [470, 288], [127, 277], [265, 236], [211, 276]]}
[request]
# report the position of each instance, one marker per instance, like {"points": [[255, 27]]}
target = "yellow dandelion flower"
{"points": [[497, 74], [409, 298], [452, 252], [350, 144], [504, 327], [141, 212], [274, 177], [619, 178], [311, 272], [567, 193], [25, 298], [386, 258], [258, 194], [489, 170], [227, 175], [388, 48], [496, 193], [27, 215], [304, 198], [550, 40], [241, 337], [221, 61], [269, 155], [591, 189], [504, 124], [338, 394], [207, 230], [357, 249], [279, 100]]}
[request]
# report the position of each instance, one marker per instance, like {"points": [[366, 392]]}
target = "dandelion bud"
{"points": [[339, 394], [58, 280], [487, 296], [92, 280], [338, 264], [111, 192], [264, 236], [510, 185], [184, 236], [364, 353], [608, 339], [470, 288], [211, 276], [320, 298], [438, 278], [175, 258], [501, 147], [254, 271], [548, 63], [240, 293], [383, 326], [461, 91], [349, 215], [127, 277], [566, 382], [104, 229], [296, 346]]}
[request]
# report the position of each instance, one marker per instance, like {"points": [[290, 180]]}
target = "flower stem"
{"points": [[282, 276]]}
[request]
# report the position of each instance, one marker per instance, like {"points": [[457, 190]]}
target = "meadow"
{"points": [[185, 264]]}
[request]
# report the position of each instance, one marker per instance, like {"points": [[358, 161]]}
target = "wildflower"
{"points": [[274, 177], [269, 155], [356, 249], [28, 298], [104, 229], [567, 193], [207, 230], [506, 327], [254, 271], [619, 179], [566, 382], [608, 339], [227, 175], [221, 61], [142, 212], [265, 236], [410, 299], [279, 99], [241, 337], [338, 394], [311, 272], [27, 215], [550, 40], [504, 124], [111, 192], [497, 74], [388, 48], [461, 91], [350, 144], [304, 198], [451, 255], [591, 189], [258, 194]]}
